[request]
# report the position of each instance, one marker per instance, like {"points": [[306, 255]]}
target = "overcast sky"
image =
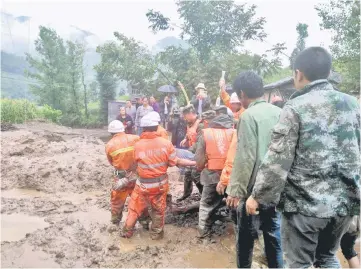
{"points": [[104, 17]]}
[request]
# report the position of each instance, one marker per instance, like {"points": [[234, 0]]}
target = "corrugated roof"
{"points": [[334, 78], [279, 83]]}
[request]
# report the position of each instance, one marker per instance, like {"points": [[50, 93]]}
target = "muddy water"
{"points": [[14, 227]]}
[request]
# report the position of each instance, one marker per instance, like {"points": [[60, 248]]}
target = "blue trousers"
{"points": [[247, 228]]}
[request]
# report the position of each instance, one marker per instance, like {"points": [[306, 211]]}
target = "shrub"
{"points": [[47, 112], [21, 110]]}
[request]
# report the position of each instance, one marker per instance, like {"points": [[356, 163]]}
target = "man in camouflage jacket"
{"points": [[311, 169]]}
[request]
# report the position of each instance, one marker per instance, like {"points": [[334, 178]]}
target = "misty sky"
{"points": [[104, 17]]}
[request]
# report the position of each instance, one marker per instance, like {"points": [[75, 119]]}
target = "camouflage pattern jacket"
{"points": [[312, 165]]}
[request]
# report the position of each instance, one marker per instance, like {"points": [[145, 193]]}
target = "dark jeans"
{"points": [[268, 221], [348, 242], [311, 241]]}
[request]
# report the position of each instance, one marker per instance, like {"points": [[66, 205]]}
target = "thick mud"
{"points": [[55, 209]]}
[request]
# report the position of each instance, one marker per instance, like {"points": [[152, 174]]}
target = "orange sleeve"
{"points": [[226, 98], [227, 170], [172, 157]]}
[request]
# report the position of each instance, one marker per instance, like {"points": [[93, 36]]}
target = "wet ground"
{"points": [[55, 209]]}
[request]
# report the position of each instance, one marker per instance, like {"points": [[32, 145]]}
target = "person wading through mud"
{"points": [[254, 134], [120, 153], [312, 167], [153, 155], [194, 129], [210, 156]]}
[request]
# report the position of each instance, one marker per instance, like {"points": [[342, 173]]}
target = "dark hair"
{"points": [[314, 62], [150, 129], [250, 83], [280, 104]]}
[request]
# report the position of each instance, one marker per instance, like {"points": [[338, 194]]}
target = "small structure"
{"points": [[285, 87]]}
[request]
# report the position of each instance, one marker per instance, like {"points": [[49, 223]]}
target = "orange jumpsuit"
{"points": [[226, 100], [120, 153], [153, 155], [162, 132]]}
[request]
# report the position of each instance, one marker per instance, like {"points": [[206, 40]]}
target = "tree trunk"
{"points": [[85, 95]]}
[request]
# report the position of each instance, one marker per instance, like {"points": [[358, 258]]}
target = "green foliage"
{"points": [[60, 77], [19, 111], [213, 26], [185, 65], [49, 113], [158, 21], [280, 74], [342, 17], [302, 32], [51, 69]]}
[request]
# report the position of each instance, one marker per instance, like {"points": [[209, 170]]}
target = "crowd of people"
{"points": [[289, 170]]}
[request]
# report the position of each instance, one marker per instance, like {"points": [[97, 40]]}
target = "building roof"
{"points": [[333, 78], [278, 84]]}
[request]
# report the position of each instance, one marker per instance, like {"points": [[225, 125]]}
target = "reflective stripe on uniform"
{"points": [[151, 185], [172, 156], [153, 165], [123, 150]]}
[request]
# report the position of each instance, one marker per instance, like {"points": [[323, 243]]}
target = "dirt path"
{"points": [[55, 209]]}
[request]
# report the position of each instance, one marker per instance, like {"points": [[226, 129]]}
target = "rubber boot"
{"points": [[188, 188], [200, 187]]}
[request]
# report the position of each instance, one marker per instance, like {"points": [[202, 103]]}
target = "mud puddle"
{"points": [[75, 198], [15, 227]]}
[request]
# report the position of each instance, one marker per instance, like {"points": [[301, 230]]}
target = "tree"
{"points": [[213, 26], [129, 60], [75, 56], [93, 91], [50, 70], [302, 32], [342, 17]]}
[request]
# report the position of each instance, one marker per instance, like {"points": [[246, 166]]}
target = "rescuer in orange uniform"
{"points": [[194, 128], [226, 172], [153, 155], [120, 153], [211, 153], [232, 101]]}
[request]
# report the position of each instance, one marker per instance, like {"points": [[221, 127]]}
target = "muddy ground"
{"points": [[55, 185]]}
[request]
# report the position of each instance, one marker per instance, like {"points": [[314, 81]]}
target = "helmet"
{"points": [[116, 126], [154, 115], [149, 120], [234, 98]]}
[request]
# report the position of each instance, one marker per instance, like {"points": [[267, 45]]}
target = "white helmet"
{"points": [[116, 126], [149, 120], [154, 115], [234, 98]]}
